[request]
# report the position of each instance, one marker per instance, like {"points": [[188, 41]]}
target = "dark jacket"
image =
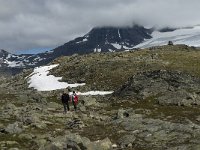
{"points": [[65, 98]]}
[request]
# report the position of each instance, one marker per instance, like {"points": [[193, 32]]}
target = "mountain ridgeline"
{"points": [[105, 39], [100, 39]]}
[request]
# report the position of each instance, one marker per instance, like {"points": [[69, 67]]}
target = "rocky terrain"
{"points": [[155, 104]]}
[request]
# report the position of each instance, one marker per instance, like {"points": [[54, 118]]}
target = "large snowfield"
{"points": [[187, 36], [42, 81]]}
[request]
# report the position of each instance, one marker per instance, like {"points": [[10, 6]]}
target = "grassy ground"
{"points": [[109, 71]]}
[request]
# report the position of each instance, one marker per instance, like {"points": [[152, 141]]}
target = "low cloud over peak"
{"points": [[27, 24]]}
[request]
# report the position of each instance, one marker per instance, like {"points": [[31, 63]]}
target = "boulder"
{"points": [[124, 113], [75, 123], [198, 119], [170, 43], [30, 119], [14, 128], [1, 127], [179, 98], [9, 106], [13, 149], [26, 136], [104, 144], [76, 142], [23, 98], [39, 125], [89, 101], [82, 108], [126, 141], [8, 110]]}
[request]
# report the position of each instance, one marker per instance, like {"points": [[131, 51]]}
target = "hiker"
{"points": [[65, 99], [74, 99]]}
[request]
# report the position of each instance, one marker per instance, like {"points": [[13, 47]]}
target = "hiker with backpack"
{"points": [[74, 99], [65, 101]]}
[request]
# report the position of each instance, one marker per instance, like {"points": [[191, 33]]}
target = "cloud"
{"points": [[28, 24]]}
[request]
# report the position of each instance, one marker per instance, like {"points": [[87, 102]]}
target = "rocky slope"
{"points": [[108, 71], [168, 87], [155, 104]]}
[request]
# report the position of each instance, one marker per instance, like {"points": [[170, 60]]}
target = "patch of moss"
{"points": [[98, 131], [178, 114], [9, 98], [53, 99], [22, 143]]}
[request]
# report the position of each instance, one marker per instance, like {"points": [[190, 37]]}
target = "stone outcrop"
{"points": [[76, 142], [169, 88]]}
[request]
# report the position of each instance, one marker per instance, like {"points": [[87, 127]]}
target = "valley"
{"points": [[155, 103]]}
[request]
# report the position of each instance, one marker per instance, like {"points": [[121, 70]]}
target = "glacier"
{"points": [[188, 36]]}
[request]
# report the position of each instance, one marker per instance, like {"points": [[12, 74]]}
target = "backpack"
{"points": [[75, 99]]}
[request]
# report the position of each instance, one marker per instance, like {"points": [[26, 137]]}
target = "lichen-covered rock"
{"points": [[140, 130], [28, 119], [26, 136], [16, 127], [75, 123], [126, 140], [89, 101], [170, 88], [76, 142]]}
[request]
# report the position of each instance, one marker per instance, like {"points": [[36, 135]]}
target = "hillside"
{"points": [[156, 101], [107, 71]]}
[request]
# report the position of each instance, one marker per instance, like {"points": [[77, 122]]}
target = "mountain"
{"points": [[104, 39], [100, 39], [21, 61], [11, 64]]}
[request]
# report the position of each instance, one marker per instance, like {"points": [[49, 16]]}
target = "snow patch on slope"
{"points": [[41, 81], [95, 93], [14, 63], [84, 40], [119, 34], [116, 45], [97, 50]]}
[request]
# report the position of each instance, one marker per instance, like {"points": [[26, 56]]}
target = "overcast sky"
{"points": [[33, 24]]}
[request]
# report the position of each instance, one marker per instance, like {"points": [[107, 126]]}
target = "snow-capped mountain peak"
{"points": [[18, 61], [105, 39]]}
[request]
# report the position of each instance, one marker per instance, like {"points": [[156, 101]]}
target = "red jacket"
{"points": [[74, 98]]}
